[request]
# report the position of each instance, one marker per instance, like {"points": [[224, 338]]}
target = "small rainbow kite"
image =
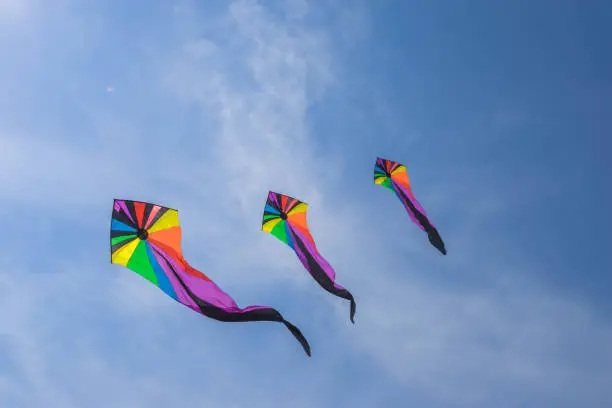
{"points": [[394, 176]]}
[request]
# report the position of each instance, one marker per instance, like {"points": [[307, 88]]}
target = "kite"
{"points": [[285, 218], [394, 176], [146, 238]]}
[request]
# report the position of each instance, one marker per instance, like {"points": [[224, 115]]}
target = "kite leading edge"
{"points": [[146, 238], [394, 176], [285, 218]]}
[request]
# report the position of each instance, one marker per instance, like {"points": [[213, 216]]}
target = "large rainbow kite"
{"points": [[394, 176], [146, 238], [285, 218]]}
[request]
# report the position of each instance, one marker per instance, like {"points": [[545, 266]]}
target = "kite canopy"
{"points": [[285, 218], [394, 176], [146, 238]]}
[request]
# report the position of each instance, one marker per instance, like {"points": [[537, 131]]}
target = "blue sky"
{"points": [[501, 112]]}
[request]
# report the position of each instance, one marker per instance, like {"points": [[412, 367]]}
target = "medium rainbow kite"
{"points": [[285, 218]]}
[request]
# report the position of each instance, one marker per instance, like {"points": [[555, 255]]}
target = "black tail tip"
{"points": [[306, 347], [299, 336], [440, 247], [353, 309], [436, 241]]}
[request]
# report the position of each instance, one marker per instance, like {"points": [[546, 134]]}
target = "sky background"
{"points": [[502, 112]]}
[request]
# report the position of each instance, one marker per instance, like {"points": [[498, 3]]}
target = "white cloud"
{"points": [[464, 348], [12, 9], [262, 143]]}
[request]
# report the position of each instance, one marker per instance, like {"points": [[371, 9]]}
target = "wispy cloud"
{"points": [[467, 347], [10, 10], [259, 142], [263, 142]]}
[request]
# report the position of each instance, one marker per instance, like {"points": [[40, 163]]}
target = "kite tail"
{"points": [[322, 272], [423, 222], [435, 239], [298, 335], [345, 294]]}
